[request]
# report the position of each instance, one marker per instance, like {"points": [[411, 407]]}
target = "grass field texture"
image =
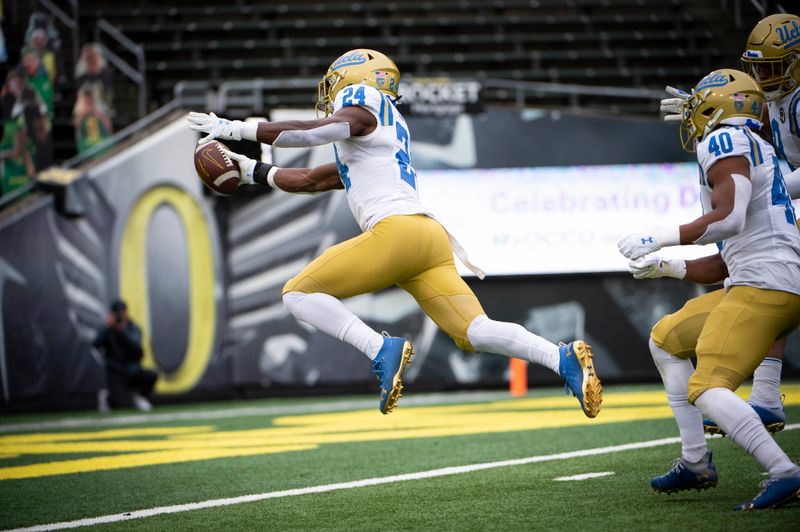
{"points": [[478, 461]]}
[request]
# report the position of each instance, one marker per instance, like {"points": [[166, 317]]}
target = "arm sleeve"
{"points": [[318, 136], [734, 222]]}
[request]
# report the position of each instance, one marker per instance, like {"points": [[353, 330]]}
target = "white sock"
{"points": [[744, 427], [329, 315], [675, 373], [513, 341], [767, 383]]}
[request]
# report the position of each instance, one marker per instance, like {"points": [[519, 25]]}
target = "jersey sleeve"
{"points": [[728, 142], [364, 96]]}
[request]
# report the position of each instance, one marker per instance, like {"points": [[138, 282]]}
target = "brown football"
{"points": [[215, 169]]}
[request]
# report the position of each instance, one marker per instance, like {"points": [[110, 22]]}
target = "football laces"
{"points": [[224, 155]]}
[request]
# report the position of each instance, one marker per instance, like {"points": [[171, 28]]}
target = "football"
{"points": [[215, 169]]}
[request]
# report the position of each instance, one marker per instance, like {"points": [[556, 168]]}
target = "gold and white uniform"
{"points": [[731, 331], [766, 253], [402, 244], [376, 168]]}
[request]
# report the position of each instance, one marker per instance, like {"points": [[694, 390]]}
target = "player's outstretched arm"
{"points": [[307, 180], [348, 122], [299, 180], [729, 179]]}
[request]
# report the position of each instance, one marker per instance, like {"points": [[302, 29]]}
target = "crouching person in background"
{"points": [[121, 344]]}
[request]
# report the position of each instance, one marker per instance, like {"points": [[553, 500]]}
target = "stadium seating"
{"points": [[631, 43]]}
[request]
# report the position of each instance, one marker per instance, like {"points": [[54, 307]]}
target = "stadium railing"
{"points": [[136, 74], [70, 21]]}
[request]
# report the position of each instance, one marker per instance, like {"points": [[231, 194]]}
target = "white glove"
{"points": [[673, 107], [653, 267], [637, 245], [247, 166], [221, 128]]}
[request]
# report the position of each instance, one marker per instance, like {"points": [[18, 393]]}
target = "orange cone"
{"points": [[518, 382]]}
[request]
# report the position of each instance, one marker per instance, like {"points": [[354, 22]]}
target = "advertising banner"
{"points": [[521, 221], [439, 97]]}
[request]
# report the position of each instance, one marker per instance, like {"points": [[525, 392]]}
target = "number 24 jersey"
{"points": [[376, 169]]}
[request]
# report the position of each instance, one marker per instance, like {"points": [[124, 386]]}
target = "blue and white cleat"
{"points": [[774, 492], [577, 369], [388, 366], [774, 419], [681, 478]]}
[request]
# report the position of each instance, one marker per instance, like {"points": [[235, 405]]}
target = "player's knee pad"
{"points": [[704, 379], [463, 343], [304, 283], [664, 336], [456, 326], [660, 333], [292, 285], [459, 333], [664, 359], [661, 356]]}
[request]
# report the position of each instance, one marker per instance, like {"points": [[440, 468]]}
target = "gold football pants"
{"points": [[412, 252], [728, 332]]}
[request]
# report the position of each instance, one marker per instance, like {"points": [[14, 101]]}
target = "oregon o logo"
{"points": [[133, 282]]}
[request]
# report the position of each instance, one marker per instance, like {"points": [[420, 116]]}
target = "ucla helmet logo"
{"points": [[714, 79], [349, 59], [788, 34]]}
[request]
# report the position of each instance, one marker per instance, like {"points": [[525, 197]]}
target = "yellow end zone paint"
{"points": [[137, 447]]}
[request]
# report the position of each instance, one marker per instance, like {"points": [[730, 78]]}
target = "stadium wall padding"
{"points": [[202, 274]]}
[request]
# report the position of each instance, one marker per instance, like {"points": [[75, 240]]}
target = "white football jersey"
{"points": [[766, 253], [784, 120], [376, 168]]}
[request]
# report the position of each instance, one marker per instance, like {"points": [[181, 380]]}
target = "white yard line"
{"points": [[245, 411], [585, 476], [433, 473]]}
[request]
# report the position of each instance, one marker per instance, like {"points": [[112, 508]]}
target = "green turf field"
{"points": [[55, 470]]}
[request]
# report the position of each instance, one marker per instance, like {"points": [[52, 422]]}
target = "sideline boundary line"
{"points": [[432, 473]]}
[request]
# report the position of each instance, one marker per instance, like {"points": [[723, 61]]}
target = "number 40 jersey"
{"points": [[766, 253], [375, 169]]}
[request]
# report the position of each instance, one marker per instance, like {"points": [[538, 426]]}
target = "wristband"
{"points": [[264, 174], [271, 177]]}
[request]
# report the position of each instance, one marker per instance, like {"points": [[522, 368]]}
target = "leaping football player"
{"points": [[402, 244], [772, 58], [747, 211]]}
